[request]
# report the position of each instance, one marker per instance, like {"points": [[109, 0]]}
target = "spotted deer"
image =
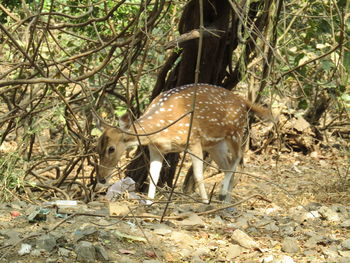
{"points": [[217, 126]]}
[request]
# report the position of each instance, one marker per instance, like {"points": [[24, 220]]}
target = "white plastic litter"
{"points": [[125, 185], [25, 249]]}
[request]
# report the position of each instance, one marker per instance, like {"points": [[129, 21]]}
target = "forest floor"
{"points": [[293, 210]]}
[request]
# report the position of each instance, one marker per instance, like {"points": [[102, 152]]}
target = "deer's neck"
{"points": [[132, 139]]}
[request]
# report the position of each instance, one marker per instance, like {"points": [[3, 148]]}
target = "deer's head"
{"points": [[110, 148]]}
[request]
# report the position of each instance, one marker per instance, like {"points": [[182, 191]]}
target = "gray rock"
{"points": [[46, 242], [192, 220], [162, 229], [313, 206], [104, 234], [243, 239], [329, 214], [346, 243], [85, 251], [290, 245], [310, 253], [345, 253], [101, 253], [343, 260], [272, 227], [314, 240], [287, 230], [63, 252], [37, 252], [234, 251], [340, 209], [346, 223], [241, 222], [331, 254], [51, 260], [88, 231], [18, 205], [13, 236]]}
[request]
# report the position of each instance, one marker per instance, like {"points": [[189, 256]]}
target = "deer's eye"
{"points": [[111, 149]]}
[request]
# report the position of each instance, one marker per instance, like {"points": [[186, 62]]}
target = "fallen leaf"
{"points": [[127, 251], [128, 237], [118, 209], [150, 254]]}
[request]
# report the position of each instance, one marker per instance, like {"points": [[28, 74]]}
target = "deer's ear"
{"points": [[101, 124], [125, 121]]}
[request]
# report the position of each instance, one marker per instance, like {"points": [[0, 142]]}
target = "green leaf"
{"points": [[327, 65], [345, 97], [341, 3], [298, 58], [302, 104], [129, 238], [307, 89], [96, 132], [119, 111], [324, 26]]}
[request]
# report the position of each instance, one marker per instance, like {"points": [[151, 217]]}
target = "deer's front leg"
{"points": [[156, 161]]}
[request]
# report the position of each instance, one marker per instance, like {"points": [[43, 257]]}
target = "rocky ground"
{"points": [[293, 210]]}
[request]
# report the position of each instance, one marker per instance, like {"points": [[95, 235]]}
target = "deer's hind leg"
{"points": [[196, 153], [227, 154]]}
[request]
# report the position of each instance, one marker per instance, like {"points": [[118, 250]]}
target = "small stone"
{"points": [[218, 220], [290, 245], [343, 260], [13, 236], [162, 230], [329, 214], [346, 223], [345, 253], [18, 205], [242, 222], [85, 251], [346, 243], [200, 251], [272, 227], [330, 253], [63, 252], [283, 259], [313, 206], [310, 253], [233, 251], [37, 252], [182, 239], [51, 260], [104, 234], [192, 220], [287, 230], [86, 232], [243, 239], [267, 259], [314, 240], [46, 242], [101, 253]]}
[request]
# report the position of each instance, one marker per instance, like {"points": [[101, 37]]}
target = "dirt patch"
{"points": [[292, 210]]}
